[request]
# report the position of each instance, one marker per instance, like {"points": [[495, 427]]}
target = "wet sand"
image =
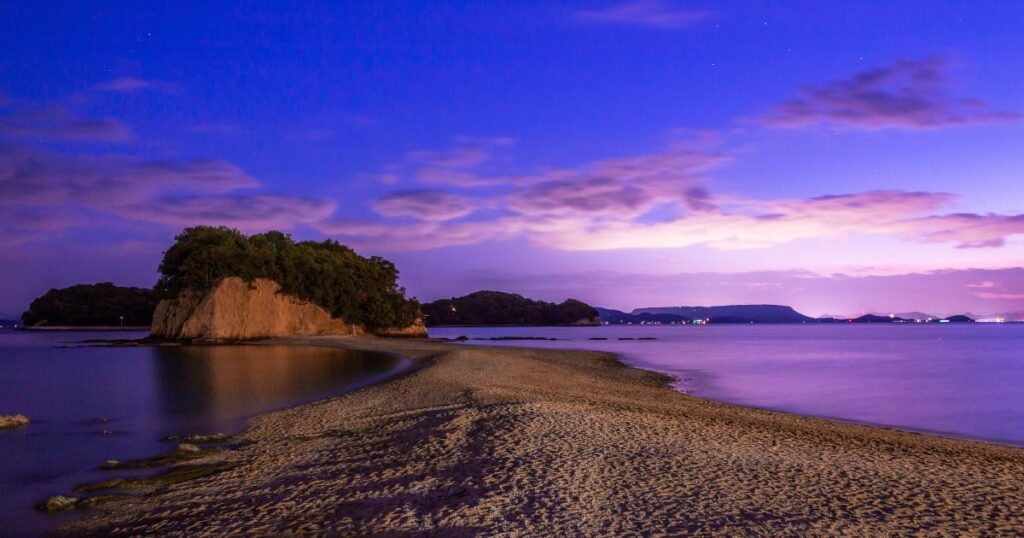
{"points": [[528, 442]]}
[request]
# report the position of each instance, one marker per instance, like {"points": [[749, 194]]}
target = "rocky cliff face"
{"points": [[239, 310]]}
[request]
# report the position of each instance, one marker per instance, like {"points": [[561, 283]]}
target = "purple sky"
{"points": [[841, 158]]}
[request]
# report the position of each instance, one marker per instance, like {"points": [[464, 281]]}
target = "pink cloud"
{"points": [[1001, 296], [132, 84], [80, 192], [655, 200], [584, 213], [424, 204], [909, 94], [967, 230], [455, 167], [248, 212], [421, 235], [652, 13], [35, 176], [58, 123]]}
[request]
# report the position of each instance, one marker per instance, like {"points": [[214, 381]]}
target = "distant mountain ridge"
{"points": [[761, 313]]}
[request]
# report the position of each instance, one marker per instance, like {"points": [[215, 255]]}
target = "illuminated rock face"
{"points": [[239, 310]]}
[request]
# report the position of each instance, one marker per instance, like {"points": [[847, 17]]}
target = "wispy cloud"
{"points": [[910, 94], [455, 167], [55, 122], [36, 184], [246, 211], [216, 128], [39, 177], [132, 85], [651, 13], [424, 204], [967, 230]]}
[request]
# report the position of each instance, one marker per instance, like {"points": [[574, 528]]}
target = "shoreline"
{"points": [[560, 441]]}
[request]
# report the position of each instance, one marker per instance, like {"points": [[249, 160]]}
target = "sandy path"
{"points": [[520, 442]]}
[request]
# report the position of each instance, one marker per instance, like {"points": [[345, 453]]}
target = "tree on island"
{"points": [[499, 308], [102, 304], [359, 290]]}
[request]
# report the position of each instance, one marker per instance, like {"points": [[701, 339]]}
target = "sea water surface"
{"points": [[962, 380], [92, 404]]}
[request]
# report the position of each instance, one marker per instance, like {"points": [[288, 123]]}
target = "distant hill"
{"points": [[733, 313], [910, 315], [484, 308], [102, 304], [618, 317], [958, 319], [871, 318]]}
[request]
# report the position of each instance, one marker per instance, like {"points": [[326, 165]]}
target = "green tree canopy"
{"points": [[92, 305], [499, 308], [359, 290]]}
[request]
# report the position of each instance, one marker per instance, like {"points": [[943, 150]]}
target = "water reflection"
{"points": [[91, 404], [219, 384]]}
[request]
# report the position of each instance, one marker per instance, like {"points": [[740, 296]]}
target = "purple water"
{"points": [[145, 394], [956, 380]]}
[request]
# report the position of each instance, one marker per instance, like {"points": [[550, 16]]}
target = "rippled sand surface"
{"points": [[519, 442]]}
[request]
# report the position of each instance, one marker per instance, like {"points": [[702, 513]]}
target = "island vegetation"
{"points": [[499, 308], [91, 305], [360, 290]]}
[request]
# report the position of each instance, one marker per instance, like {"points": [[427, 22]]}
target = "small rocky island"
{"points": [[218, 284]]}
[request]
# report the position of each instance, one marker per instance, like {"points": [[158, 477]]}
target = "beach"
{"points": [[526, 442]]}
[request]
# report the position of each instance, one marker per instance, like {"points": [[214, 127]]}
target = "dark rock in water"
{"points": [[185, 452], [90, 502], [462, 338], [13, 421], [198, 439], [62, 503], [647, 338], [597, 338], [627, 338], [57, 503], [174, 476]]}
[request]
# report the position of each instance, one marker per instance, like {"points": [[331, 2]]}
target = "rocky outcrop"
{"points": [[13, 421], [239, 310]]}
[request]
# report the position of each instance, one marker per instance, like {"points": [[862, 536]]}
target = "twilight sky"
{"points": [[838, 157]]}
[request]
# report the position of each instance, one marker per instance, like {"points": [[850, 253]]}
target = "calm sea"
{"points": [[88, 405], [956, 380]]}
